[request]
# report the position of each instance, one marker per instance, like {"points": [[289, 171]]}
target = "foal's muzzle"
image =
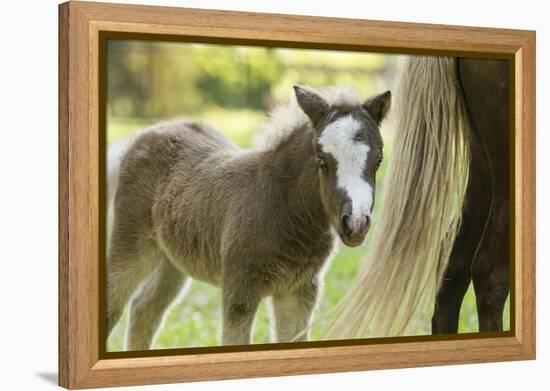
{"points": [[353, 229]]}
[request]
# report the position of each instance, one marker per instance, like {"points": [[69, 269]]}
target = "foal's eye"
{"points": [[378, 163]]}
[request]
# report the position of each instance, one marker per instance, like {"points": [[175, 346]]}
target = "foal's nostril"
{"points": [[344, 223]]}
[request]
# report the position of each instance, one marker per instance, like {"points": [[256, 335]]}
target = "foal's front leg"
{"points": [[240, 303], [293, 312]]}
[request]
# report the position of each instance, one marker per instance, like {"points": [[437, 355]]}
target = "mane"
{"points": [[285, 118]]}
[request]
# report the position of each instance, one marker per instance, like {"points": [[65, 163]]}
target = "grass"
{"points": [[195, 320]]}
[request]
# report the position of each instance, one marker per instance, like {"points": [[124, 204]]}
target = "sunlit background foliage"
{"points": [[233, 88]]}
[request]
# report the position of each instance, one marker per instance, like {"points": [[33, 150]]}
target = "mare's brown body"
{"points": [[482, 249]]}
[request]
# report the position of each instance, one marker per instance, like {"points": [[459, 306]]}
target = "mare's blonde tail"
{"points": [[422, 203]]}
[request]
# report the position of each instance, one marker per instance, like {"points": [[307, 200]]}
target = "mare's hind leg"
{"points": [[151, 302], [451, 292], [475, 213], [491, 271], [293, 311], [487, 92]]}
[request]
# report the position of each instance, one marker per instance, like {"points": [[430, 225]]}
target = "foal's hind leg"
{"points": [[151, 302], [293, 311], [131, 258]]}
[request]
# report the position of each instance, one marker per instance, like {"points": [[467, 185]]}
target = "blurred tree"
{"points": [[151, 79], [237, 77], [164, 79]]}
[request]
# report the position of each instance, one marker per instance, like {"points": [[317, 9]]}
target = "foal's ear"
{"points": [[311, 103], [378, 106]]}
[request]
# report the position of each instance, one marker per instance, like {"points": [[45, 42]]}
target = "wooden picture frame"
{"points": [[82, 364]]}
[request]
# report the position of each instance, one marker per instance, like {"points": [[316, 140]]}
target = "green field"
{"points": [[195, 319]]}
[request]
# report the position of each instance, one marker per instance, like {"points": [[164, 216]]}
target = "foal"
{"points": [[256, 223]]}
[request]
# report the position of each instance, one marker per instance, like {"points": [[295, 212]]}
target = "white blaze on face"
{"points": [[338, 139]]}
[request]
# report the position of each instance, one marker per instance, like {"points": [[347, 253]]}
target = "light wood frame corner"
{"points": [[80, 27]]}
